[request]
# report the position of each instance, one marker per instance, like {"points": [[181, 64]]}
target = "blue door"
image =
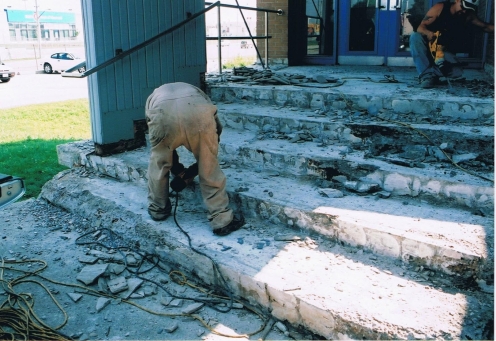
{"points": [[376, 32]]}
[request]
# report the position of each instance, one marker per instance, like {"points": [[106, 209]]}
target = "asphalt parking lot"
{"points": [[32, 86]]}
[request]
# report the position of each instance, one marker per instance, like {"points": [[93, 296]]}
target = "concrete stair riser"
{"points": [[397, 180], [364, 136], [471, 109]]}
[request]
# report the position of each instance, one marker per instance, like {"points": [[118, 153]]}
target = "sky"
{"points": [[43, 5]]}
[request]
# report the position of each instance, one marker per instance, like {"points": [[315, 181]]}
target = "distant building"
{"points": [[22, 26]]}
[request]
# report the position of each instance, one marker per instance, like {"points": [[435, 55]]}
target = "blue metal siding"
{"points": [[120, 90]]}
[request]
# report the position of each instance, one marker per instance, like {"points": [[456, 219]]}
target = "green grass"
{"points": [[29, 136], [238, 62]]}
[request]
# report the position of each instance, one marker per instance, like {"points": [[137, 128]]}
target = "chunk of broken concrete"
{"points": [[101, 303], [459, 158], [171, 328], [384, 194], [117, 285], [330, 193], [367, 187], [190, 309], [176, 303], [91, 272], [166, 300], [132, 285], [287, 237], [279, 325], [339, 178], [88, 259], [116, 269], [74, 296]]}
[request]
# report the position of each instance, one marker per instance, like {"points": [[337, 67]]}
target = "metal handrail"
{"points": [[265, 36], [143, 44], [126, 53]]}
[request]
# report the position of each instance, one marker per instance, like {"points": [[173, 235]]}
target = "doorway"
{"points": [[377, 32], [367, 32]]}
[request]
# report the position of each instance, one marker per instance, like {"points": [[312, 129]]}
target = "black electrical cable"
{"points": [[214, 263], [154, 260]]}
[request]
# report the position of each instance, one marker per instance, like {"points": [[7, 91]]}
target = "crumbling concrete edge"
{"points": [[289, 96]]}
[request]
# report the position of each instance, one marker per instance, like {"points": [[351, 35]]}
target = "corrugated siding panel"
{"points": [[166, 56], [122, 88]]}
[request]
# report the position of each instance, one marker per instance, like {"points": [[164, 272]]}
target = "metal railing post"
{"points": [[219, 32], [266, 39]]}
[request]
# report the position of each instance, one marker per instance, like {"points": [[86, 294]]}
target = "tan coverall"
{"points": [[181, 114]]}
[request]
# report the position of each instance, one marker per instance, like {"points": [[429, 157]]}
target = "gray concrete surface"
{"points": [[42, 242], [35, 87]]}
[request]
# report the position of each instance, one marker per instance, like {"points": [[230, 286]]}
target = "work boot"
{"points": [[160, 215], [428, 82], [234, 225]]}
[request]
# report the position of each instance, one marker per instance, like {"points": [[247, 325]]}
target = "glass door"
{"points": [[320, 38], [406, 16]]}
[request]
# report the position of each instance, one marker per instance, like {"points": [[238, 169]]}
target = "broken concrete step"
{"points": [[374, 95], [333, 291], [446, 239], [446, 186], [366, 132], [449, 186]]}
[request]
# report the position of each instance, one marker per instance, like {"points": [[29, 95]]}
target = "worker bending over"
{"points": [[179, 114]]}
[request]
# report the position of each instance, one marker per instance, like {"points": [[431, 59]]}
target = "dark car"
{"points": [[6, 73]]}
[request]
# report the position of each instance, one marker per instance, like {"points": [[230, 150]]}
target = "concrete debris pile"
{"points": [[403, 150], [268, 77]]}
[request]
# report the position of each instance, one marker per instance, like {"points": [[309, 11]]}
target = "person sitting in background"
{"points": [[434, 42]]}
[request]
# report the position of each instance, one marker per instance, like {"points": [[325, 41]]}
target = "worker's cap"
{"points": [[470, 4]]}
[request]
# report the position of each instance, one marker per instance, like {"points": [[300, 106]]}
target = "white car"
{"points": [[61, 61], [6, 73]]}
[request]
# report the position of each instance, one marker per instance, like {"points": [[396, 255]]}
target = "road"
{"points": [[30, 87]]}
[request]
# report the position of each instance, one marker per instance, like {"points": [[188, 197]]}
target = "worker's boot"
{"points": [[234, 225]]}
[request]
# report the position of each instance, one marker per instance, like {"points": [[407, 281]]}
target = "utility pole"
{"points": [[38, 27]]}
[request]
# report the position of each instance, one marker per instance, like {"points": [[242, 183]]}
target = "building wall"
{"points": [[118, 92], [277, 28]]}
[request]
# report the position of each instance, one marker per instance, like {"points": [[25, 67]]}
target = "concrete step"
{"points": [[382, 133], [446, 185], [335, 291], [434, 105], [447, 239]]}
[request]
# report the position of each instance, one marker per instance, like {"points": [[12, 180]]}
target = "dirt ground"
{"points": [[44, 250]]}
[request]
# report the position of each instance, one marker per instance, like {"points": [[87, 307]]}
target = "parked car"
{"points": [[11, 189], [6, 73], [61, 61]]}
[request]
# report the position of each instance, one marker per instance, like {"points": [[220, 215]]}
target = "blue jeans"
{"points": [[422, 58], [419, 47]]}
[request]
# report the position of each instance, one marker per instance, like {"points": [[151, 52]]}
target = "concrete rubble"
{"points": [[92, 310], [369, 204]]}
